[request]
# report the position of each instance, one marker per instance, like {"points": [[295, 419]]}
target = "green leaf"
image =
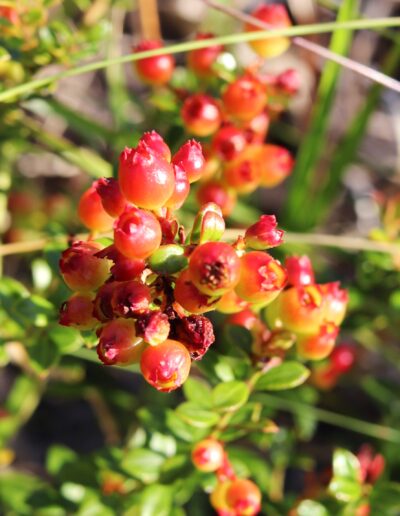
{"points": [[230, 396], [311, 508], [57, 457], [36, 309], [156, 500], [66, 339], [43, 353], [285, 376], [385, 499], [345, 490], [346, 465], [184, 430], [143, 464], [197, 391], [195, 416]]}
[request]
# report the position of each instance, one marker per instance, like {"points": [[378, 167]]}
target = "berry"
{"points": [[319, 346], [218, 499], [245, 318], [156, 70], [230, 303], [215, 192], [130, 298], [202, 59], [190, 298], [196, 333], [343, 358], [190, 157], [157, 145], [299, 270], [277, 165], [146, 179], [264, 233], [102, 307], [244, 98], [153, 327], [201, 115], [81, 269], [124, 268], [261, 278], [214, 268], [166, 366], [243, 174], [10, 14], [208, 225], [229, 142], [119, 343], [372, 465], [113, 201], [77, 312], [289, 81], [181, 189], [335, 302], [276, 17], [137, 233], [243, 497], [256, 129], [91, 211], [208, 455]]}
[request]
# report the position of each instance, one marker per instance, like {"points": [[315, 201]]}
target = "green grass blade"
{"points": [[313, 145]]}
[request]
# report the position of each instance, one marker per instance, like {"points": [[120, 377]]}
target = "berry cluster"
{"points": [[232, 496], [233, 114]]}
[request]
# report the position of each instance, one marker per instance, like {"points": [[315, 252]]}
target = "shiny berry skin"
{"points": [[243, 174], [190, 298], [244, 98], [201, 115], [219, 501], [130, 298], [81, 269], [245, 318], [214, 268], [335, 302], [157, 144], [261, 278], [256, 129], [264, 233], [243, 497], [229, 142], [153, 327], [119, 343], [217, 193], [77, 312], [319, 346], [230, 303], [301, 309], [196, 333], [181, 189], [146, 179], [124, 268], [156, 70], [166, 366], [202, 59], [343, 358], [300, 271], [276, 17], [277, 165], [208, 455], [111, 196], [137, 233], [190, 157], [91, 211]]}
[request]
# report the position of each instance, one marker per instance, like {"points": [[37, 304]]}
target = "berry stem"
{"points": [[149, 20], [299, 30]]}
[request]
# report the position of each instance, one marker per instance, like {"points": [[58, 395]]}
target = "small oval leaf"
{"points": [[285, 376], [230, 395]]}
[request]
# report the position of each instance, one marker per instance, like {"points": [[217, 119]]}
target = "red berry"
{"points": [[244, 497], [91, 211], [166, 366], [81, 269], [288, 81], [245, 318], [137, 233], [190, 298], [155, 70], [276, 17], [300, 271], [156, 143], [229, 142], [119, 344], [319, 346], [111, 196], [208, 455], [343, 358], [181, 191], [243, 174], [102, 308], [244, 98], [202, 59], [146, 179], [277, 165], [201, 115], [190, 157], [264, 233], [261, 278], [219, 194], [124, 268], [196, 333], [153, 327], [130, 298], [214, 268], [77, 312]]}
